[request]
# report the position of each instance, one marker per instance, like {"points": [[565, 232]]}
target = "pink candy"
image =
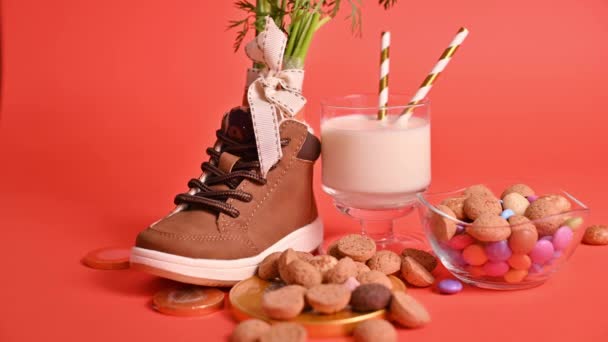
{"points": [[460, 242], [496, 268], [542, 252], [562, 238]]}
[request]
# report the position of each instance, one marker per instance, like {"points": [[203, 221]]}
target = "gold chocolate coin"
{"points": [[246, 302], [188, 300], [109, 258]]}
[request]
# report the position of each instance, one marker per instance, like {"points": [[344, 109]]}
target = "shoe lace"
{"points": [[215, 200]]}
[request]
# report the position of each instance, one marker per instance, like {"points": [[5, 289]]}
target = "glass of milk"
{"points": [[374, 168]]}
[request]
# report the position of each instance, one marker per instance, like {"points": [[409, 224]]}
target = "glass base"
{"points": [[396, 243], [378, 224]]}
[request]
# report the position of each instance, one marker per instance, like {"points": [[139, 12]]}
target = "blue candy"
{"points": [[507, 213], [449, 286]]}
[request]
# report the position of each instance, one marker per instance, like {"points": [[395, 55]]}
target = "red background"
{"points": [[107, 107]]}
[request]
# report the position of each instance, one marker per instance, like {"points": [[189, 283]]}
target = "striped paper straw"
{"points": [[384, 66], [426, 86]]}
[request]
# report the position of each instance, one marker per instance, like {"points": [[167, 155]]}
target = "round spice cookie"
{"points": [[305, 256], [285, 332], [596, 235], [285, 259], [456, 204], [375, 277], [249, 331], [478, 189], [361, 268], [328, 298], [407, 311], [387, 262], [515, 202], [302, 273], [442, 227], [333, 250], [324, 263], [489, 228], [357, 247], [545, 206], [284, 303], [370, 297], [269, 267], [521, 189], [416, 274], [476, 205], [344, 269], [424, 258], [375, 330]]}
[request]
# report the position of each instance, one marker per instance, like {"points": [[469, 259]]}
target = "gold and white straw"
{"points": [[384, 68], [428, 82]]}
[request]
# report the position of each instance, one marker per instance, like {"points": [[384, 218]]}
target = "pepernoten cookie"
{"points": [[269, 267], [596, 235], [324, 263], [361, 268], [476, 205], [375, 330], [284, 303], [387, 262], [456, 204], [407, 311], [285, 332], [521, 189], [424, 258], [249, 331], [375, 277], [357, 247], [478, 189], [489, 228], [344, 269], [442, 227], [302, 273], [415, 274], [328, 298], [545, 206], [370, 297], [286, 257]]}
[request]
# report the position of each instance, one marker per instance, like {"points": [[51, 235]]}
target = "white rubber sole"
{"points": [[217, 272]]}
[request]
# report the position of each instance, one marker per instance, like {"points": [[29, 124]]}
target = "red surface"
{"points": [[108, 106]]}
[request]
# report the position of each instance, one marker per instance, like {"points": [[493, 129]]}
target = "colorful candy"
{"points": [[542, 252], [474, 255], [515, 276], [532, 198], [520, 261], [496, 268], [498, 251], [449, 286], [460, 242], [507, 213], [562, 238]]}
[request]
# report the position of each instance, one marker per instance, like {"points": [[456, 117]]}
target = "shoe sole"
{"points": [[218, 272]]}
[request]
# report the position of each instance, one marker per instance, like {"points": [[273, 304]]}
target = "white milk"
{"points": [[363, 156]]}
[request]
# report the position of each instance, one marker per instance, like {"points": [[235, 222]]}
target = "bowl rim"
{"points": [[582, 208]]}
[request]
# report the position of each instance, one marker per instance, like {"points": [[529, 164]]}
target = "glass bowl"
{"points": [[493, 265]]}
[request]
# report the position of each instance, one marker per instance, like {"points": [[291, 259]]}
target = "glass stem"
{"points": [[379, 230]]}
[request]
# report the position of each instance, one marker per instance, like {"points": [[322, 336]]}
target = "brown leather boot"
{"points": [[232, 218]]}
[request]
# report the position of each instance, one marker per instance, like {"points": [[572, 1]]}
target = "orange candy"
{"points": [[476, 271], [520, 261], [474, 255], [515, 276]]}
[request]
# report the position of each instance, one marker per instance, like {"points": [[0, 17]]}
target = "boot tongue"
{"points": [[238, 125]]}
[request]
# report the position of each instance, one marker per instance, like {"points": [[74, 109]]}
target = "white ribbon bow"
{"points": [[275, 95]]}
